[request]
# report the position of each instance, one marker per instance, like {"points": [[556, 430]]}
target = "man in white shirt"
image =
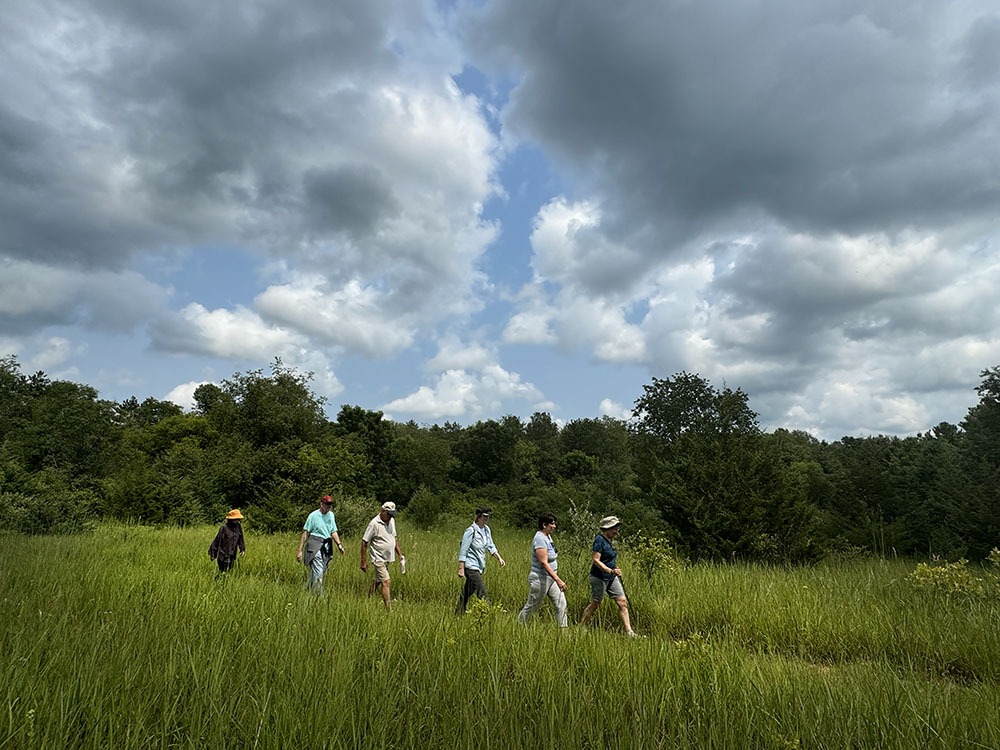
{"points": [[382, 546]]}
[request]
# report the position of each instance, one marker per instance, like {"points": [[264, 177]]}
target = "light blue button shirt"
{"points": [[477, 543]]}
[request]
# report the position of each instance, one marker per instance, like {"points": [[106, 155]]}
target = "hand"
{"points": [[341, 548], [617, 572], [461, 572], [503, 563], [298, 555], [243, 552], [364, 566], [561, 584]]}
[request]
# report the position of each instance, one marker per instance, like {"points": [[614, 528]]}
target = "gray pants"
{"points": [[473, 585], [540, 586], [317, 567]]}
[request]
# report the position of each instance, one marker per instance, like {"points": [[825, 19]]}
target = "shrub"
{"points": [[948, 579], [424, 507], [653, 553]]}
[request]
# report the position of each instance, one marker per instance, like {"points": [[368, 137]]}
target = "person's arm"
{"points": [[336, 540], [364, 549], [241, 543], [302, 540], [542, 555], [213, 549], [605, 568], [463, 550], [493, 549], [399, 552]]}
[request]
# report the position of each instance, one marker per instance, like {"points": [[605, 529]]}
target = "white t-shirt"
{"points": [[381, 540]]}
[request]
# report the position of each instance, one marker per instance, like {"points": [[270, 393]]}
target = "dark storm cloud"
{"points": [[351, 199], [688, 118], [133, 126]]}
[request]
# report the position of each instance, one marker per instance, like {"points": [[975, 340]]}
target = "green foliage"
{"points": [[949, 579], [424, 508], [353, 512], [482, 617], [652, 554], [43, 502]]}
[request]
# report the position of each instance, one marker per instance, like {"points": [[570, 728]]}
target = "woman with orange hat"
{"points": [[227, 541]]}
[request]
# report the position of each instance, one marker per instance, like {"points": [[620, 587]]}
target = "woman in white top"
{"points": [[543, 580]]}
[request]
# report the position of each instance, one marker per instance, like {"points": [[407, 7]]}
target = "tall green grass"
{"points": [[125, 638]]}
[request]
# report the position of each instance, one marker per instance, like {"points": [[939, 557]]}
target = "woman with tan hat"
{"points": [[605, 575], [227, 541]]}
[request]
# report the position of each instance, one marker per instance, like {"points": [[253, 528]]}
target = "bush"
{"points": [[653, 553], [424, 507], [948, 579], [353, 512]]}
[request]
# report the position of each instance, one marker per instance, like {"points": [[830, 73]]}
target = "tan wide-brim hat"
{"points": [[233, 514], [610, 522]]}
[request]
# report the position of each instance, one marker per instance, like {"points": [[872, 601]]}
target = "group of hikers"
{"points": [[380, 546]]}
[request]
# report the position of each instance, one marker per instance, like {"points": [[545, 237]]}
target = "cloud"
{"points": [[183, 394], [241, 335], [329, 136], [474, 385], [676, 120], [34, 295], [352, 317], [609, 408]]}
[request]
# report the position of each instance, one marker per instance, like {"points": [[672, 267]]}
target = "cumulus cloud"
{"points": [[778, 210], [241, 335], [34, 295], [609, 408], [329, 135], [183, 394], [474, 384], [830, 117]]}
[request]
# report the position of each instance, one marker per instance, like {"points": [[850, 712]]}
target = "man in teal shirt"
{"points": [[319, 534]]}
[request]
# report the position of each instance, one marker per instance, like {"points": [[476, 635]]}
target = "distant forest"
{"points": [[692, 465]]}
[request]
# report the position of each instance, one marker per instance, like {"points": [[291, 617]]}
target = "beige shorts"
{"points": [[381, 571]]}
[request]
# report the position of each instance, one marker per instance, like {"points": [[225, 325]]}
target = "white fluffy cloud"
{"points": [[242, 335], [472, 385], [609, 408], [183, 394]]}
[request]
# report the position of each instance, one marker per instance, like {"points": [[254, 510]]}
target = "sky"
{"points": [[461, 210]]}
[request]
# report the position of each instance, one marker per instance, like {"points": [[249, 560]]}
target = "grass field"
{"points": [[124, 638]]}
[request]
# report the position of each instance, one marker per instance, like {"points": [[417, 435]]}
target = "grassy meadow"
{"points": [[125, 638]]}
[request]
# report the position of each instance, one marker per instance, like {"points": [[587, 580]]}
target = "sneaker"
{"points": [[633, 634]]}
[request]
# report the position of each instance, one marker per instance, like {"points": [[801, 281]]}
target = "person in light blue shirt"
{"points": [[319, 534], [477, 542], [542, 579]]}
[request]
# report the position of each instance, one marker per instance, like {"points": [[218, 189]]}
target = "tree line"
{"points": [[692, 465]]}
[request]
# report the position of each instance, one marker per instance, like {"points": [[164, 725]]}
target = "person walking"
{"points": [[542, 579], [228, 541], [605, 575], [381, 545], [477, 542], [319, 534]]}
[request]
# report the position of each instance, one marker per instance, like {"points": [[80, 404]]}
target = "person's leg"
{"points": [[386, 599], [623, 611], [617, 592], [316, 570], [536, 594], [380, 580], [559, 602], [468, 587], [596, 595], [478, 587]]}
